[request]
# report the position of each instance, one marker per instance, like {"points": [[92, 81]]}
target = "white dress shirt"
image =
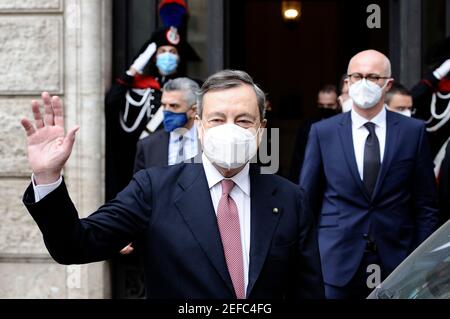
{"points": [[190, 147], [360, 133], [241, 195]]}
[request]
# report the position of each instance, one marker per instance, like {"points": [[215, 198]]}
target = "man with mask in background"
{"points": [[177, 140], [369, 176], [132, 105], [216, 229], [327, 106], [399, 99]]}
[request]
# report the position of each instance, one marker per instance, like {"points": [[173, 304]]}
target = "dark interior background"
{"points": [[293, 61]]}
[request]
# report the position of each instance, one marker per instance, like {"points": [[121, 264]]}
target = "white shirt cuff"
{"points": [[40, 191]]}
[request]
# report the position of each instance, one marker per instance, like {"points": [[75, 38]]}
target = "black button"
{"points": [[365, 236]]}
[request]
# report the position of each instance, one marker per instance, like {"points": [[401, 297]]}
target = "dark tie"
{"points": [[229, 227], [371, 159], [180, 152]]}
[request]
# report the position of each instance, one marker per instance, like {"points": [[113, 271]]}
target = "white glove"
{"points": [[443, 70], [142, 60]]}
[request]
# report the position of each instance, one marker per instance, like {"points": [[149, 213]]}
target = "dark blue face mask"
{"points": [[174, 120]]}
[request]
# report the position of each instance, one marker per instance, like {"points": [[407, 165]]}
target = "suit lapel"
{"points": [[345, 134], [390, 147], [164, 140], [263, 222], [195, 205], [157, 153]]}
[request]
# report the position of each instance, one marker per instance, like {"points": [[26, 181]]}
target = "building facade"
{"points": [[64, 47]]}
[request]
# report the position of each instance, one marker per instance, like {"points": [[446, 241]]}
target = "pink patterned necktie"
{"points": [[228, 221]]}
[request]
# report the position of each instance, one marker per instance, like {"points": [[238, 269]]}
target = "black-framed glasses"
{"points": [[355, 77]]}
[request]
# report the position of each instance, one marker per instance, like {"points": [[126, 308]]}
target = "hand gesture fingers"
{"points": [[127, 250], [48, 110], [57, 111], [29, 129], [48, 146], [70, 139], [38, 120]]}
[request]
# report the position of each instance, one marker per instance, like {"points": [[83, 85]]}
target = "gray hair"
{"points": [[186, 85], [227, 79]]}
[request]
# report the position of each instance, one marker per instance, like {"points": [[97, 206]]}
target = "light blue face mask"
{"points": [[167, 63]]}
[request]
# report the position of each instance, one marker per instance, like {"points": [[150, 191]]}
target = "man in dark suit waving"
{"points": [[369, 176], [217, 229]]}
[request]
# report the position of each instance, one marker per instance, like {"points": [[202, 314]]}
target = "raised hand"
{"points": [[48, 146], [442, 70], [142, 60]]}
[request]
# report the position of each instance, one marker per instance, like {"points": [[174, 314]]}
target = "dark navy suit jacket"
{"points": [[401, 212], [152, 150], [170, 211]]}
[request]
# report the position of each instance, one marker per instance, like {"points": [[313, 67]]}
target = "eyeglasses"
{"points": [[355, 77]]}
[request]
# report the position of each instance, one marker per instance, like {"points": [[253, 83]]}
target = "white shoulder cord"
{"points": [[144, 103], [439, 158], [153, 124], [443, 117]]}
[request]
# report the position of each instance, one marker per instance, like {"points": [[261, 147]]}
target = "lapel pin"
{"points": [[275, 210]]}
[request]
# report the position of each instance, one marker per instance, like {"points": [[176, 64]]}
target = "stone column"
{"points": [[405, 40], [63, 47]]}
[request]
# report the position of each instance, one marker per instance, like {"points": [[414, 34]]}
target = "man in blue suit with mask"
{"points": [[216, 229], [369, 176]]}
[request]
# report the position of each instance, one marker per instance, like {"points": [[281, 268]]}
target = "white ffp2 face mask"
{"points": [[229, 146], [366, 94], [406, 112]]}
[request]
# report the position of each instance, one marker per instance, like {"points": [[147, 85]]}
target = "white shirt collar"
{"points": [[190, 134], [379, 120], [213, 176]]}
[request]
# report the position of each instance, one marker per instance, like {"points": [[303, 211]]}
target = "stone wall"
{"points": [[64, 47]]}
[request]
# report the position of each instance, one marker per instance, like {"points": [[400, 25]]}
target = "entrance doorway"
{"points": [[291, 62]]}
